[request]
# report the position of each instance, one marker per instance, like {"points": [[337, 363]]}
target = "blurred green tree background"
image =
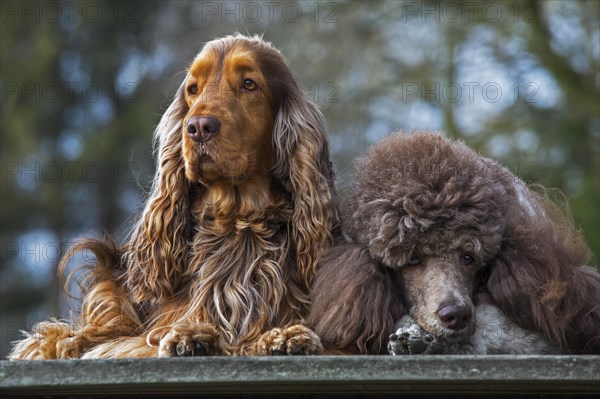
{"points": [[83, 84]]}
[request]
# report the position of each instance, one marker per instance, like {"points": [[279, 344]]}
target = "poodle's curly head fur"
{"points": [[420, 195]]}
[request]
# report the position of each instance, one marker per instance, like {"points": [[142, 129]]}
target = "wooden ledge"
{"points": [[365, 376]]}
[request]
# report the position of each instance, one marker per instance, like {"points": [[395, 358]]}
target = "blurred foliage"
{"points": [[84, 83]]}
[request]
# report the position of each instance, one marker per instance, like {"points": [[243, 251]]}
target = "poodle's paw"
{"points": [[294, 340], [411, 339], [190, 339]]}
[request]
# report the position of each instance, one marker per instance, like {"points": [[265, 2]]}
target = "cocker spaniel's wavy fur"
{"points": [[431, 227], [221, 260]]}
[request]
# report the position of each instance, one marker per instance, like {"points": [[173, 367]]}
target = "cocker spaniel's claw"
{"points": [[411, 339], [190, 340], [295, 340], [194, 348]]}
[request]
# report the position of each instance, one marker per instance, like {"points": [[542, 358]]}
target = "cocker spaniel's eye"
{"points": [[249, 85], [414, 260], [466, 259], [193, 89]]}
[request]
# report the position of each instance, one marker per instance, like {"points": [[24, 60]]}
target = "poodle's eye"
{"points": [[414, 260], [249, 85], [466, 259], [193, 89]]}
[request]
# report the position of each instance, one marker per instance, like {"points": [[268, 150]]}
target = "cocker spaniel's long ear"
{"points": [[538, 278], [158, 246], [304, 168]]}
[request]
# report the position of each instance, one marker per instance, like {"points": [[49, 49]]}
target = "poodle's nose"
{"points": [[203, 128], [455, 317]]}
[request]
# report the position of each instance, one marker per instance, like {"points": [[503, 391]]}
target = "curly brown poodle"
{"points": [[438, 234]]}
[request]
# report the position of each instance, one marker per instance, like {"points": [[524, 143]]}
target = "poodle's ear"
{"points": [[538, 278], [304, 168], [158, 245], [355, 301]]}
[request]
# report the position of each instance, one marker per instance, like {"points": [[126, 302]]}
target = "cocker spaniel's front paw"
{"points": [[51, 340], [71, 347], [411, 339], [294, 340], [190, 339]]}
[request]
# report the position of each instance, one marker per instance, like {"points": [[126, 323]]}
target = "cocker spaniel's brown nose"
{"points": [[455, 317], [203, 128]]}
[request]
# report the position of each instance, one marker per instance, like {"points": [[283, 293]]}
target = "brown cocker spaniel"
{"points": [[221, 260]]}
